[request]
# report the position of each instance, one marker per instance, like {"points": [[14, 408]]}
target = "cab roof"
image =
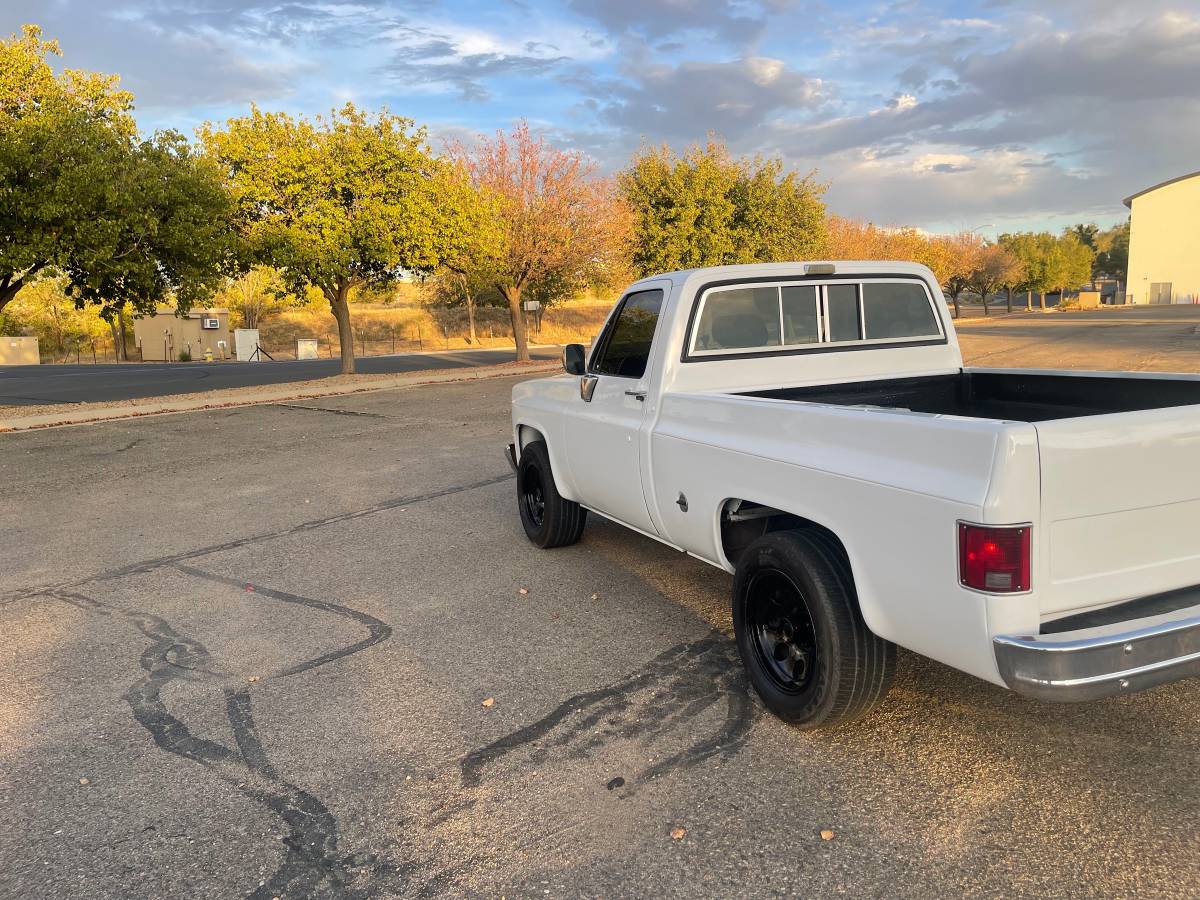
{"points": [[783, 269]]}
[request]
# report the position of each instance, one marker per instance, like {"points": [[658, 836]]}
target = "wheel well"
{"points": [[527, 434], [743, 521]]}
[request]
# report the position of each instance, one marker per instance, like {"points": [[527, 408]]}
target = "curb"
{"points": [[280, 392]]}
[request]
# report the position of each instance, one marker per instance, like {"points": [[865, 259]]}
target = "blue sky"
{"points": [[997, 115]]}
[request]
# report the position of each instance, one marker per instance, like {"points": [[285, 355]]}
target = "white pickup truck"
{"points": [[811, 429]]}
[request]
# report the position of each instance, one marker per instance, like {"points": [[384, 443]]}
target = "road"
{"points": [[36, 385], [247, 652]]}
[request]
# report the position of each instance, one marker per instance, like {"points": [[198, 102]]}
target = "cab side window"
{"points": [[625, 346]]}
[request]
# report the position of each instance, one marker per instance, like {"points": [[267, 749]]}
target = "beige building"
{"points": [[19, 351], [1164, 242], [163, 336]]}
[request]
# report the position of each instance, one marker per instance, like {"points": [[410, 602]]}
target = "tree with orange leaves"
{"points": [[997, 268], [852, 239], [964, 252], [557, 220]]}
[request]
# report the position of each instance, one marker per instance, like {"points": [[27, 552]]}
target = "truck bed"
{"points": [[1004, 395]]}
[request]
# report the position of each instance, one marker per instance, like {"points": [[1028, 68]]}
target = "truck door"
{"points": [[603, 425]]}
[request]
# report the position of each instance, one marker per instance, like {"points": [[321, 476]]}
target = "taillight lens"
{"points": [[994, 558]]}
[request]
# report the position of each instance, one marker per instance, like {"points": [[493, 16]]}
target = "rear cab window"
{"points": [[781, 317]]}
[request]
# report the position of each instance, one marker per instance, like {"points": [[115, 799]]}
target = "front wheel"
{"points": [[548, 518], [801, 635]]}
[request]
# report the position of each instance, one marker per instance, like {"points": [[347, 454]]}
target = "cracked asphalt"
{"points": [[245, 653]]}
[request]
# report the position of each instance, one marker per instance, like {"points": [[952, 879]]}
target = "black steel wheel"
{"points": [[549, 519], [784, 638], [533, 496], [804, 644]]}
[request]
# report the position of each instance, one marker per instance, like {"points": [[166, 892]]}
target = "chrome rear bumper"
{"points": [[1101, 662]]}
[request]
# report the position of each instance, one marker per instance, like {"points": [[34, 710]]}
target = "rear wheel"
{"points": [[802, 638], [548, 518]]}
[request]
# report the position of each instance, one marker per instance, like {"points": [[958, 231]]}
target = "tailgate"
{"points": [[1120, 506]]}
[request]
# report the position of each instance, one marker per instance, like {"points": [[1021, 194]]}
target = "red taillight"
{"points": [[993, 558]]}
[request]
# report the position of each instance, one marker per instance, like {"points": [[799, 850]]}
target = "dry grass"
{"points": [[382, 329]]}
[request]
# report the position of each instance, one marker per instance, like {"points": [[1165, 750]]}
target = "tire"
{"points": [[801, 635], [549, 520]]}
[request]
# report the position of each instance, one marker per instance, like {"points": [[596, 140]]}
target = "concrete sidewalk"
{"points": [[27, 418]]}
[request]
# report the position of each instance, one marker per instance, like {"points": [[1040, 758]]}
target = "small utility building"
{"points": [[164, 336], [1164, 242]]}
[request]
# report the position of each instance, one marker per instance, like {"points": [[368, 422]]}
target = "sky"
{"points": [[997, 115]]}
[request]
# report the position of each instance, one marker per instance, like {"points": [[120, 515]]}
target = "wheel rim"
{"points": [[781, 631], [533, 496]]}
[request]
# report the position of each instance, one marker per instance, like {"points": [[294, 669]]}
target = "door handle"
{"points": [[640, 395]]}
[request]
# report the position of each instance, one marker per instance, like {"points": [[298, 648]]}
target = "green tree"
{"points": [[470, 259], [1033, 253], [61, 326], [1011, 275], [338, 202], [257, 295], [1069, 262], [1085, 234], [58, 135], [1112, 256], [469, 289], [1050, 262], [706, 208], [164, 233]]}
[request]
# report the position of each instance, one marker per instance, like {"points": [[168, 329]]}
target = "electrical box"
{"points": [[245, 345]]}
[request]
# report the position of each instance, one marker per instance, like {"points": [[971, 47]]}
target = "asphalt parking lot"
{"points": [[247, 652]]}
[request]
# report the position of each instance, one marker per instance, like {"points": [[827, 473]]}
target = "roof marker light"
{"points": [[819, 268]]}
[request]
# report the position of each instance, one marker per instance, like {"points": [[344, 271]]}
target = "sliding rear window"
{"points": [[770, 317], [896, 309]]}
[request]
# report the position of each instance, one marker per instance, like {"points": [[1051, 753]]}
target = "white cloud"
{"points": [[655, 19], [688, 100]]}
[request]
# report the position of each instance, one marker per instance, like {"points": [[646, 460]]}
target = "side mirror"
{"points": [[574, 358]]}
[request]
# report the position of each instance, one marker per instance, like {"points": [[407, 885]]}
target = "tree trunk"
{"points": [[513, 296], [116, 337], [983, 296], [116, 325], [120, 319], [955, 298], [470, 310], [1008, 299], [1042, 299], [1029, 299], [339, 304], [8, 292], [11, 283]]}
